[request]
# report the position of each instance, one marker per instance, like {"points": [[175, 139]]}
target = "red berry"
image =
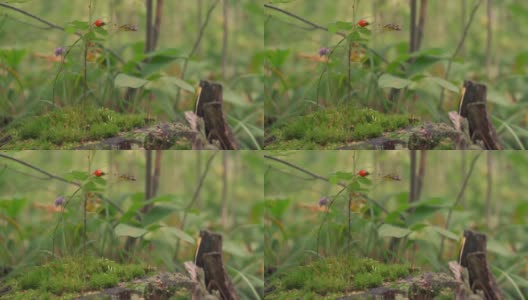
{"points": [[363, 23], [363, 173], [98, 173], [99, 23]]}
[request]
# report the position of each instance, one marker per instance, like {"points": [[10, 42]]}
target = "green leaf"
{"points": [[160, 59], [180, 234], [176, 202], [364, 180], [497, 247], [127, 81], [277, 207], [156, 214], [354, 186], [75, 26], [390, 81], [444, 232], [344, 175], [77, 175], [180, 83], [13, 206], [127, 230], [340, 26], [234, 98], [236, 249], [387, 230], [445, 84], [277, 57], [418, 227]]}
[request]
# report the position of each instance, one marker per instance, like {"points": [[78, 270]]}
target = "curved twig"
{"points": [[459, 198], [55, 26]]}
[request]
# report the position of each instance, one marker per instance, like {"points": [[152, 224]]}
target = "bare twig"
{"points": [[489, 183], [51, 25], [489, 35], [421, 173], [421, 23], [195, 196], [225, 38], [157, 23], [148, 31], [196, 44], [319, 177], [319, 27], [54, 26], [459, 198], [224, 188], [157, 172], [412, 188], [459, 47], [300, 169], [316, 26], [49, 175], [412, 37]]}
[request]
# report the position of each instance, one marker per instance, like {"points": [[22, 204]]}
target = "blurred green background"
{"points": [[31, 70], [300, 81], [230, 202], [294, 219]]}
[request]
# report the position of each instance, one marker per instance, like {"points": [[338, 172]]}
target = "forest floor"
{"points": [[360, 129]]}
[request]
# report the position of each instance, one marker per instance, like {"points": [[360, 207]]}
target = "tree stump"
{"points": [[209, 107], [473, 108], [209, 258], [473, 257]]}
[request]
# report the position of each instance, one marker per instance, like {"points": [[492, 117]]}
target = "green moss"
{"points": [[336, 126], [63, 278], [331, 277], [71, 125]]}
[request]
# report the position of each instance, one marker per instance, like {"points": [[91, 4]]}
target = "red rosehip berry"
{"points": [[363, 23], [98, 173], [363, 173], [99, 23]]}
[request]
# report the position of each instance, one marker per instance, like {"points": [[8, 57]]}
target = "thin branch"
{"points": [[157, 23], [195, 196], [421, 23], [225, 39], [459, 198], [301, 19], [319, 27], [196, 44], [489, 186], [200, 183], [315, 176], [459, 47], [49, 175], [199, 38], [489, 35], [224, 188], [149, 31], [55, 26], [32, 16], [412, 37]]}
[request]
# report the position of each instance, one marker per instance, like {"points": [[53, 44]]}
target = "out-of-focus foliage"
{"points": [[298, 229], [310, 69], [44, 68], [41, 217]]}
